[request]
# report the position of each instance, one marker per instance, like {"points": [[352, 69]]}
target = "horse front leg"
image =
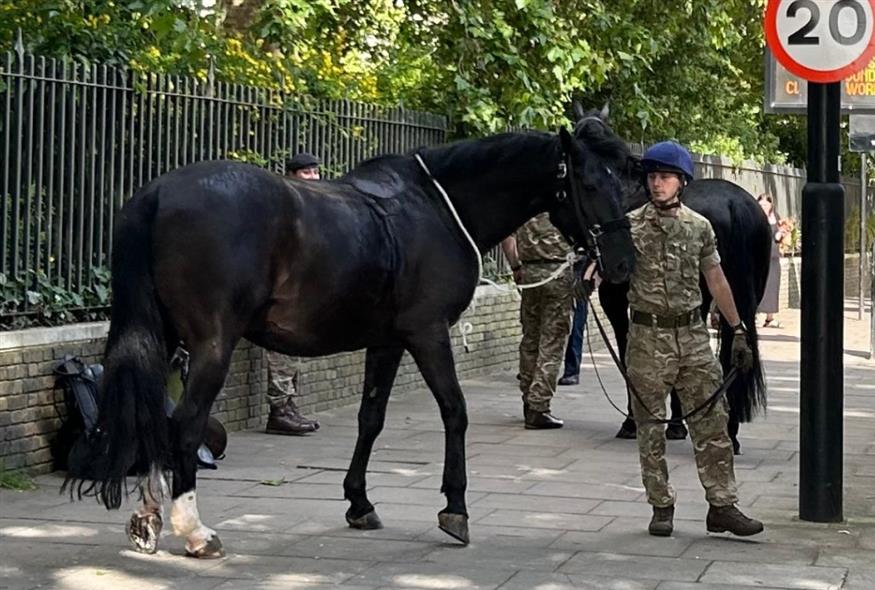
{"points": [[381, 366], [144, 527], [615, 304], [188, 423], [433, 354]]}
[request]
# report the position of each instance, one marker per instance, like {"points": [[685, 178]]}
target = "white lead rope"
{"points": [[466, 328]]}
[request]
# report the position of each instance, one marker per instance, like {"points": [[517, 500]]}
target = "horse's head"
{"points": [[592, 213]]}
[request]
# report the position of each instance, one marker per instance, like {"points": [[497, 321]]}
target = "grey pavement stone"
{"points": [[507, 556], [750, 551], [845, 557], [635, 566], [482, 484], [782, 576], [532, 580], [535, 503], [284, 583], [288, 570], [431, 575], [545, 520], [629, 537], [401, 530], [594, 491], [369, 549], [860, 578], [617, 508], [504, 535], [701, 586]]}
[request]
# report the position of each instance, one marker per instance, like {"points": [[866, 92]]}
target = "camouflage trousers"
{"points": [[282, 379], [658, 359], [545, 315]]}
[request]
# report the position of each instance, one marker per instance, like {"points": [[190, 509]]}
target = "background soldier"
{"points": [[282, 370], [669, 344], [535, 252]]}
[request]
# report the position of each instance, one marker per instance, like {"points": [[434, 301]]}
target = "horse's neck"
{"points": [[495, 193]]}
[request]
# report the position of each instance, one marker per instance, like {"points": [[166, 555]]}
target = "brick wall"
{"points": [[28, 418]]}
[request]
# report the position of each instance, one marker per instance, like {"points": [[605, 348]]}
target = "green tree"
{"points": [[687, 70]]}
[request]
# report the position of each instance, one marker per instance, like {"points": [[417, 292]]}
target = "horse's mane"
{"points": [[459, 157]]}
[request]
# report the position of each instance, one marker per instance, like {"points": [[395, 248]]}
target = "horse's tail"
{"points": [[132, 428], [747, 272]]}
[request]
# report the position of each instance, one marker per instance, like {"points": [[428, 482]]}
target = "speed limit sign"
{"points": [[821, 40]]}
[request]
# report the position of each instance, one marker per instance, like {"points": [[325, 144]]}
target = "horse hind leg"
{"points": [[209, 366], [144, 527], [381, 366]]}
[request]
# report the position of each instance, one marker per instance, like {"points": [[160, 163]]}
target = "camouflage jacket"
{"points": [[539, 241], [670, 252]]}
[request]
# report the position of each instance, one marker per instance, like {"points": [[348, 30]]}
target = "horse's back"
{"points": [[743, 234]]}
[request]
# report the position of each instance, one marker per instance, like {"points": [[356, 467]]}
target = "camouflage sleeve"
{"points": [[708, 257]]}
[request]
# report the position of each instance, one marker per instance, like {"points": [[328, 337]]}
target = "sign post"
{"points": [[822, 41]]}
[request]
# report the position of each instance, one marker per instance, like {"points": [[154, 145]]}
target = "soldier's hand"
{"points": [[585, 283], [742, 353], [517, 275]]}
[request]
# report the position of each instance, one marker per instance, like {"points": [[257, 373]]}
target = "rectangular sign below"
{"points": [[787, 93]]}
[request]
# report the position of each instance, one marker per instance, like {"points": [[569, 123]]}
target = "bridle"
{"points": [[593, 232]]}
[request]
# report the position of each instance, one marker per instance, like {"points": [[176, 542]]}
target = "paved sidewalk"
{"points": [[549, 509]]}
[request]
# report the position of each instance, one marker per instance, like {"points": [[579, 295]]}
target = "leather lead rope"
{"points": [[705, 406]]}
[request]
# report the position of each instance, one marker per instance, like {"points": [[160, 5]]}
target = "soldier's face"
{"points": [[664, 186], [311, 173]]}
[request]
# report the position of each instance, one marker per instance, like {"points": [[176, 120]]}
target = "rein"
{"points": [[704, 407]]}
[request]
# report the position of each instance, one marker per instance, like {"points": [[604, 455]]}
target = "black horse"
{"points": [[382, 258], [744, 243]]}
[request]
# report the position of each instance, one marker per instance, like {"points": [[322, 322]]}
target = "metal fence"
{"points": [[78, 140]]}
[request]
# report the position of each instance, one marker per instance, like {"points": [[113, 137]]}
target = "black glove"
{"points": [[742, 353], [582, 288]]}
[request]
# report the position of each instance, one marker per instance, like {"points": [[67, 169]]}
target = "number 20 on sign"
{"points": [[821, 40]]}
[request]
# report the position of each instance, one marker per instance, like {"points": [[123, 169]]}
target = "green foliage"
{"points": [[15, 480], [852, 231], [685, 70], [36, 300]]}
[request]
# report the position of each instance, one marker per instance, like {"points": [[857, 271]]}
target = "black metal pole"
{"points": [[821, 379]]}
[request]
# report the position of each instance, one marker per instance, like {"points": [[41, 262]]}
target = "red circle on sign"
{"points": [[822, 76]]}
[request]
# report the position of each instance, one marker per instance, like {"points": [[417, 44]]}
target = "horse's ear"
{"points": [[605, 112], [577, 109], [633, 167]]}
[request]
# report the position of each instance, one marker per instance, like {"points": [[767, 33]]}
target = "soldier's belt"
{"points": [[665, 321]]}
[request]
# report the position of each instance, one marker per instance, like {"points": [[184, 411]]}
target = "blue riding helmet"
{"points": [[668, 156]]}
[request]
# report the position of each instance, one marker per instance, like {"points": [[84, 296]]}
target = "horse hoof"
{"points": [[676, 432], [455, 525], [627, 431], [368, 522], [212, 549], [144, 531]]}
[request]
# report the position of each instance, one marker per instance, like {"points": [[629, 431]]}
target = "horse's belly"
{"points": [[321, 325]]}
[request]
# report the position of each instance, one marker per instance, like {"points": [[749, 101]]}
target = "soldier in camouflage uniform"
{"points": [[669, 344], [535, 252]]}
